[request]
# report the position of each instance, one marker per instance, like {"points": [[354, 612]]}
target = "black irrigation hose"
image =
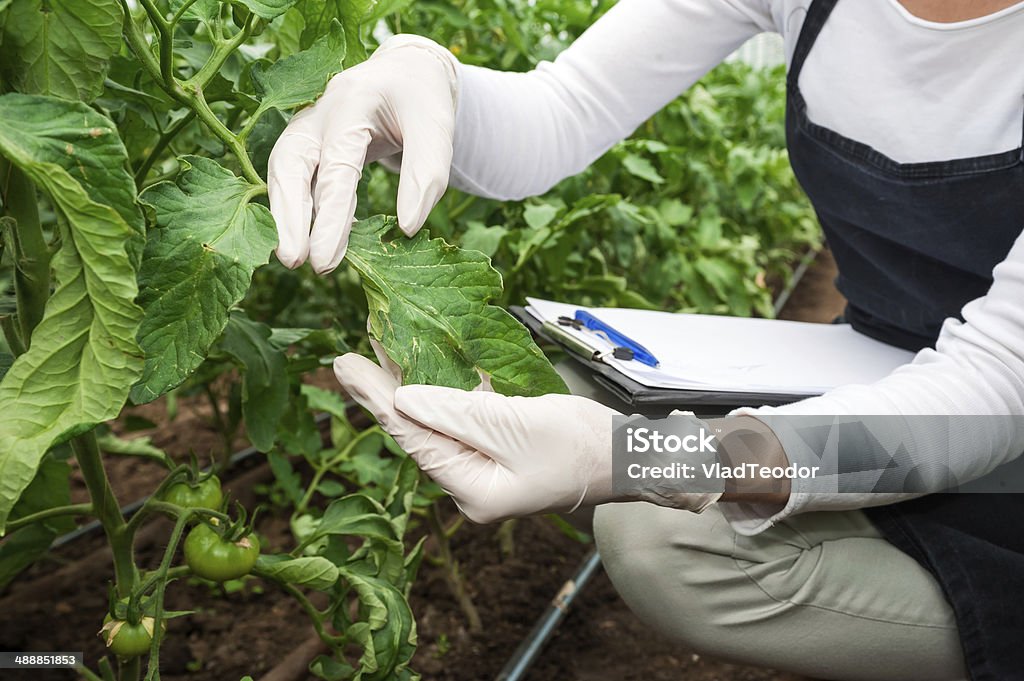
{"points": [[128, 510], [525, 655]]}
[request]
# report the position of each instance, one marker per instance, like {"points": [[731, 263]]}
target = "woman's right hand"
{"points": [[401, 101]]}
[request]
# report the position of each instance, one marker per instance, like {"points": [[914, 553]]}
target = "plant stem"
{"points": [[202, 108], [180, 13], [88, 674], [221, 51], [331, 463], [161, 144], [137, 42], [106, 509], [308, 607], [9, 325], [452, 575], [153, 670], [31, 252], [55, 512]]}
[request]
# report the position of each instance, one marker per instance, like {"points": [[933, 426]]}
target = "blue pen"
{"points": [[639, 352]]}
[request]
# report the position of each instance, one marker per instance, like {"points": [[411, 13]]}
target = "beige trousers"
{"points": [[821, 594]]}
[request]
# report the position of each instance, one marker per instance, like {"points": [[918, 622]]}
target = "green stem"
{"points": [[308, 607], [129, 670], [55, 512], [151, 578], [221, 51], [137, 42], [107, 511], [87, 673], [161, 144], [180, 13], [153, 670], [30, 250], [9, 325], [344, 454], [197, 101], [462, 207], [451, 571]]}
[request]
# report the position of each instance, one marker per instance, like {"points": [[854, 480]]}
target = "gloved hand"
{"points": [[401, 100], [497, 456]]}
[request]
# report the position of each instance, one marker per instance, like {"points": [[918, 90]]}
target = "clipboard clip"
{"points": [[625, 348]]}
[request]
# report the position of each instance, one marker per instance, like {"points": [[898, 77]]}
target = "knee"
{"points": [[675, 569]]}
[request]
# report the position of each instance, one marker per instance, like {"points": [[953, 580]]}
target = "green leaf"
{"points": [[60, 47], [301, 78], [356, 515], [267, 9], [314, 572], [429, 308], [354, 15], [198, 263], [264, 377], [289, 481], [480, 237], [642, 168], [83, 356], [50, 488], [539, 215], [388, 634]]}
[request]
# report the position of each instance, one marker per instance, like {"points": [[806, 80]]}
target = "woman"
{"points": [[905, 124]]}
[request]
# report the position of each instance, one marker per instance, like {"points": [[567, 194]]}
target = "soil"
{"points": [[58, 603]]}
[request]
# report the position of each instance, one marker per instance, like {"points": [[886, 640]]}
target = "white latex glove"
{"points": [[497, 456], [401, 100]]}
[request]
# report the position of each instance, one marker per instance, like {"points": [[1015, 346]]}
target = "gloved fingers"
{"points": [[426, 165], [290, 169], [341, 166], [501, 427], [386, 362], [451, 464]]}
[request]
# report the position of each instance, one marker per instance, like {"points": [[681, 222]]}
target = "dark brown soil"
{"points": [[58, 604]]}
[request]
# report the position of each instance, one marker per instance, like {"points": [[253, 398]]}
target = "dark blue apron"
{"points": [[914, 243]]}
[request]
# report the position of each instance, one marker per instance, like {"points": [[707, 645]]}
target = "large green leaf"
{"points": [[83, 356], [60, 47], [264, 377], [51, 487], [85, 144], [301, 78], [355, 15], [315, 572], [198, 263], [430, 308]]}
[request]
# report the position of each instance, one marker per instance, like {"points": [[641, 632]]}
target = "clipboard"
{"points": [[645, 398]]}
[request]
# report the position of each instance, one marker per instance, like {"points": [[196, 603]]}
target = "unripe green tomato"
{"points": [[212, 557], [125, 639], [205, 494]]}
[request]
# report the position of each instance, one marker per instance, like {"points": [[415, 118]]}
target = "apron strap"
{"points": [[817, 15]]}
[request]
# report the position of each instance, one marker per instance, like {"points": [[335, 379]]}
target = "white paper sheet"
{"points": [[735, 354]]}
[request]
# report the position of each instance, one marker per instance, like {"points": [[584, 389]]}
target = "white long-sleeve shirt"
{"points": [[914, 90]]}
